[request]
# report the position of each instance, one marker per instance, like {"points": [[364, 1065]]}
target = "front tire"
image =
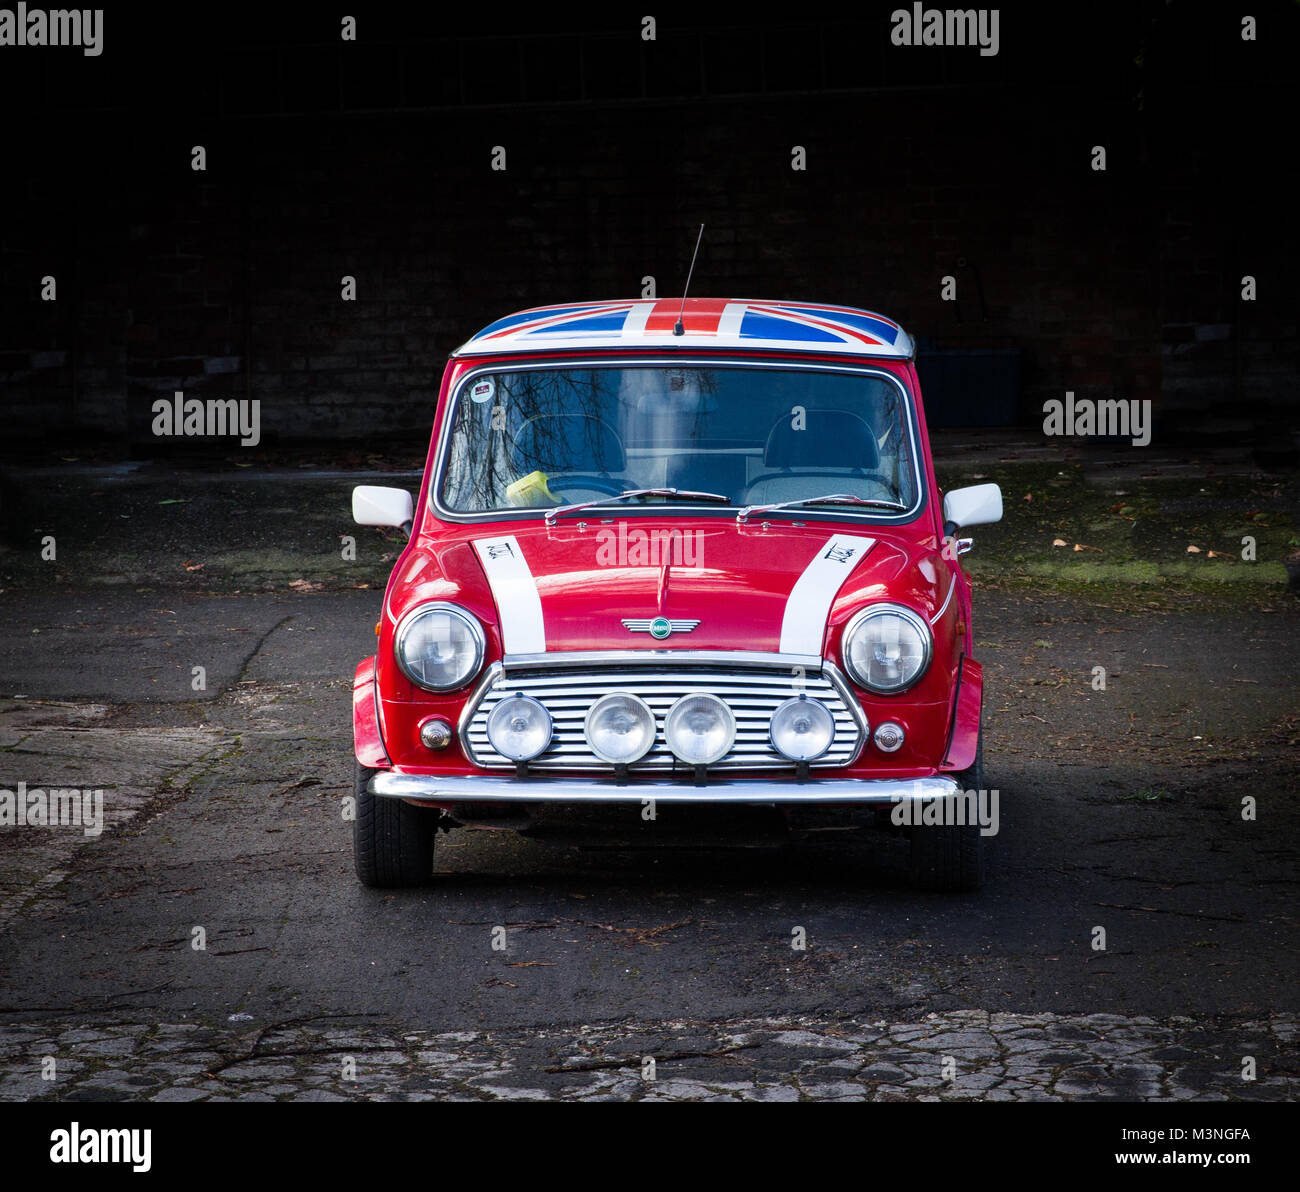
{"points": [[950, 857], [392, 841]]}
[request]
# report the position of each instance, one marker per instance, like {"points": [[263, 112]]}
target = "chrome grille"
{"points": [[752, 694]]}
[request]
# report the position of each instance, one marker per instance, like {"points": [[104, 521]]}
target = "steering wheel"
{"points": [[602, 484]]}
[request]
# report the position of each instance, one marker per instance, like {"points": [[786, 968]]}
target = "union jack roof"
{"points": [[707, 323]]}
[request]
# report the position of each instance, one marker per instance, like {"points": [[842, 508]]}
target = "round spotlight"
{"points": [[519, 728], [888, 737], [700, 729], [435, 734], [802, 729], [620, 728]]}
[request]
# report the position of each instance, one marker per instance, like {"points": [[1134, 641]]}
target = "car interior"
{"points": [[826, 451]]}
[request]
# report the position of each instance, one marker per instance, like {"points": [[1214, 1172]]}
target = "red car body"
{"points": [[740, 593]]}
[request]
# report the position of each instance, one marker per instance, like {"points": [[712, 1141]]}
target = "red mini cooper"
{"points": [[675, 552]]}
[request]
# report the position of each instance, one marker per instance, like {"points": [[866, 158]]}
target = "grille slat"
{"points": [[752, 694]]}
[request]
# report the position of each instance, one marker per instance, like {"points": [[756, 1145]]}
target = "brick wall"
{"points": [[227, 283]]}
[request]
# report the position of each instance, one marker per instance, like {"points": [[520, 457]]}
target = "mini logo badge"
{"points": [[658, 627]]}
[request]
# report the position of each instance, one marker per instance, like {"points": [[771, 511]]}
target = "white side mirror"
{"points": [[376, 506], [977, 505]]}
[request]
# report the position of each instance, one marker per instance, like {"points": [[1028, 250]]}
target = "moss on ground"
{"points": [[1066, 525]]}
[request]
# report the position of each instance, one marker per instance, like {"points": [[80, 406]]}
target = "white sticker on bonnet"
{"points": [[515, 593], [804, 625]]}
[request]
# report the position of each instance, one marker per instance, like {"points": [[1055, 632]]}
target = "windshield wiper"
{"points": [[680, 493], [828, 499]]}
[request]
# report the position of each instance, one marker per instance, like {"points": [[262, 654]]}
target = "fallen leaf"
{"points": [[1059, 542], [305, 585], [532, 964], [189, 565], [1080, 546], [1193, 550]]}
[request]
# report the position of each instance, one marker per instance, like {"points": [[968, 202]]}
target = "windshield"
{"points": [[545, 437]]}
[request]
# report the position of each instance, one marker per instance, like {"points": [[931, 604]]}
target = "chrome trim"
{"points": [[612, 660], [908, 614], [476, 631], [485, 685], [943, 608], [675, 625], [856, 710], [493, 789], [720, 359], [741, 658]]}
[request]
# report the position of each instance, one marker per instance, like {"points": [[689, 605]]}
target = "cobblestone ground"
{"points": [[958, 1056]]}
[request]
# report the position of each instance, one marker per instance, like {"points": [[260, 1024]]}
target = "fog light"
{"points": [[802, 729], [889, 737], [519, 728], [700, 729], [435, 734], [620, 728]]}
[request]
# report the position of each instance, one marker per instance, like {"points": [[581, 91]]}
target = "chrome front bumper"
{"points": [[487, 788]]}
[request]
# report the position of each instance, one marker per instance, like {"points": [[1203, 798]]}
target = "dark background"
{"points": [[372, 159]]}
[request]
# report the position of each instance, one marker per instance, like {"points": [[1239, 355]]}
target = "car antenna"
{"points": [[679, 329]]}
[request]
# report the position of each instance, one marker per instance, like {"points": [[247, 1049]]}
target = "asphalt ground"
{"points": [[1120, 810]]}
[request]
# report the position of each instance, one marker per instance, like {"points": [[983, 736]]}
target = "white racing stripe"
{"points": [[804, 625], [637, 318], [515, 593]]}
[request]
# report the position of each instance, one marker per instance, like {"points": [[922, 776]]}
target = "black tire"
{"points": [[950, 857], [392, 841]]}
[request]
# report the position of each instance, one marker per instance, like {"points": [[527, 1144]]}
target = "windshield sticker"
{"points": [[482, 391]]}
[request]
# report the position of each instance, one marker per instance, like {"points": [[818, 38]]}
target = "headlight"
{"points": [[886, 648], [700, 729], [802, 729], [519, 728], [620, 728], [439, 646]]}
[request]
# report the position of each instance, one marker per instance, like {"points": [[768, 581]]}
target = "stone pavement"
{"points": [[957, 1056]]}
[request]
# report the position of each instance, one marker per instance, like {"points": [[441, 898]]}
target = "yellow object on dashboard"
{"points": [[531, 490]]}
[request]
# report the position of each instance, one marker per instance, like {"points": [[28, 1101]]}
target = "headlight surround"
{"points": [[620, 728], [439, 646], [802, 729], [886, 648], [700, 729], [520, 728]]}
